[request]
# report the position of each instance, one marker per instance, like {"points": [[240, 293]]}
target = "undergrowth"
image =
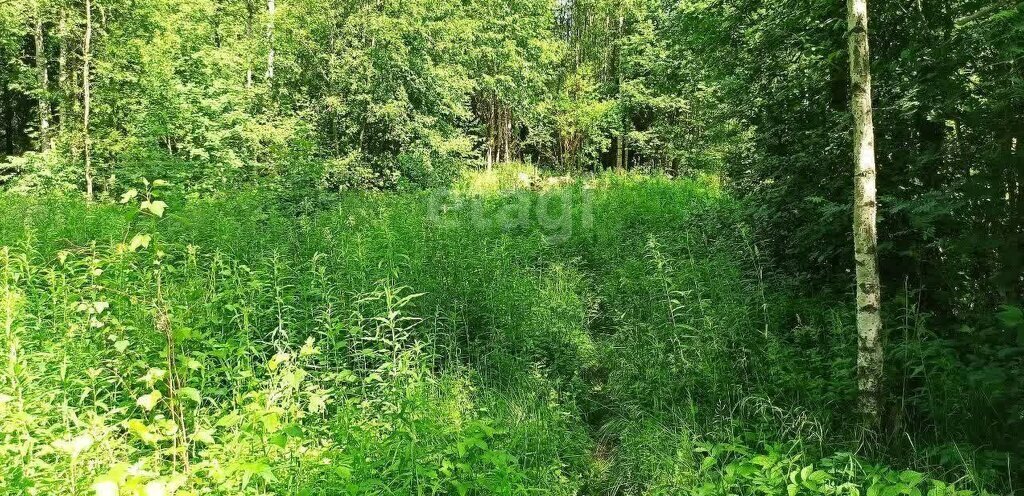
{"points": [[517, 335]]}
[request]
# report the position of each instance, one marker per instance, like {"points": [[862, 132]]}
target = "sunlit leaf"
{"points": [[105, 488], [155, 207], [74, 446], [139, 241], [190, 393], [129, 195], [149, 401]]}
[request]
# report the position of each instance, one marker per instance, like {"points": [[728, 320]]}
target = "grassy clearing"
{"points": [[511, 336]]}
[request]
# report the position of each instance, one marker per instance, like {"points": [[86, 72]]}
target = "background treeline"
{"points": [[365, 93]]}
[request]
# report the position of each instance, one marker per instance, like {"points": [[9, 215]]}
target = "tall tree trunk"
{"points": [[1018, 159], [870, 357], [492, 133], [86, 59], [508, 135], [63, 95], [271, 10], [620, 140], [1013, 236], [249, 14], [619, 151], [44, 83], [625, 152], [7, 104], [490, 152]]}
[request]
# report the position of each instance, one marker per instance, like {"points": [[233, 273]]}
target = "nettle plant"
{"points": [[151, 368], [782, 470], [104, 388], [203, 421]]}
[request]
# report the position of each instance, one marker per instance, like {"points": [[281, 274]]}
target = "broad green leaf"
{"points": [[149, 401], [139, 241], [280, 440], [190, 393], [152, 375], [155, 207], [229, 420], [158, 208], [293, 430], [204, 436], [1011, 316], [911, 477], [129, 195]]}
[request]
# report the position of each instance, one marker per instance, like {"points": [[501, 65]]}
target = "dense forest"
{"points": [[569, 247]]}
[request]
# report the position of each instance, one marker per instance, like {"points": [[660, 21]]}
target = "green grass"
{"points": [[611, 336]]}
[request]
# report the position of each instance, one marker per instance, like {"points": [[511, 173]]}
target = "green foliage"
{"points": [[183, 371], [386, 95], [780, 471], [265, 319], [945, 79], [613, 337], [380, 95]]}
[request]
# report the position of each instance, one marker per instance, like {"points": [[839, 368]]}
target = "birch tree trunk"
{"points": [[870, 357], [618, 152], [86, 59], [271, 11], [44, 83], [508, 135], [64, 95], [249, 14]]}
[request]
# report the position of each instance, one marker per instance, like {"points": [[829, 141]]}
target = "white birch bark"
{"points": [[870, 357]]}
